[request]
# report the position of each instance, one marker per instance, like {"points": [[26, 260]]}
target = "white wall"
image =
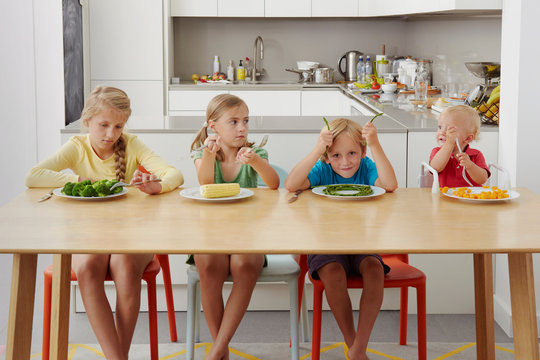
{"points": [[31, 111], [520, 126]]}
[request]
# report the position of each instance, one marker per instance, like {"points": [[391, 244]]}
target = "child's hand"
{"points": [[464, 160], [246, 155], [214, 143], [325, 140], [451, 135], [369, 132], [149, 188]]}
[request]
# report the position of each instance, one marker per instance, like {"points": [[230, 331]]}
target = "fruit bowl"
{"points": [[484, 70]]}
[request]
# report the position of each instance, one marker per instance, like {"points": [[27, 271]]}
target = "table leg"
{"points": [[483, 295], [520, 268], [21, 306], [60, 306]]}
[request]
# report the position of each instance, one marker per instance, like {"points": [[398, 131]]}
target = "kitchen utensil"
{"points": [[47, 196], [484, 70], [121, 183], [389, 88], [323, 75], [464, 172], [294, 197], [351, 60], [305, 75], [306, 65], [261, 144]]}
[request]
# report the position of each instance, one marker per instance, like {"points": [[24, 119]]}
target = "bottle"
{"points": [[216, 64], [240, 72], [230, 71], [360, 71], [248, 69], [368, 69]]}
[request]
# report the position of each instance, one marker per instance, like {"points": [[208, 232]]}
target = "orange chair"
{"points": [[149, 275], [402, 275]]}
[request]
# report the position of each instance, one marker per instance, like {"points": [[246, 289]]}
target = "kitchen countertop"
{"points": [[259, 124]]}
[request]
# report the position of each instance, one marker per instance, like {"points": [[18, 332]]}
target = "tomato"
{"points": [[375, 86], [375, 96]]}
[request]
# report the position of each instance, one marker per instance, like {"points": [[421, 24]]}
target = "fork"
{"points": [[120, 183], [261, 144]]}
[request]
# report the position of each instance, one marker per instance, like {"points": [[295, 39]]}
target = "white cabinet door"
{"points": [[287, 8], [191, 100], [420, 145], [331, 103], [393, 145], [194, 8], [334, 8], [399, 7], [271, 103], [146, 102], [125, 40], [241, 8]]}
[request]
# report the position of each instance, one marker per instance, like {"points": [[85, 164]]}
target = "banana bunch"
{"points": [[490, 108]]}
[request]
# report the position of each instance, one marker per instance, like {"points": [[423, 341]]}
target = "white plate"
{"points": [[377, 191], [477, 190], [58, 192], [195, 194]]}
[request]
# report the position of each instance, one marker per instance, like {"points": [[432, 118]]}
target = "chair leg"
{"points": [[198, 313], [293, 295], [421, 310], [45, 346], [316, 326], [190, 323], [305, 318], [403, 313], [152, 318], [166, 273]]}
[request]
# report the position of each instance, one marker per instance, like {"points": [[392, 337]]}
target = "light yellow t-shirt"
{"points": [[77, 154]]}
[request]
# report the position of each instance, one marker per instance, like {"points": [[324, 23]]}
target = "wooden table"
{"points": [[407, 221]]}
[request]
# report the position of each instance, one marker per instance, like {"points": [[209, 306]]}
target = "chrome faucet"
{"points": [[254, 73]]}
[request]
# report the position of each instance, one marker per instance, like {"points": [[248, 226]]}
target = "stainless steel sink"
{"points": [[268, 82]]}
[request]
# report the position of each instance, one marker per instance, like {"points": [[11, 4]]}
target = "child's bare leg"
{"points": [[213, 271], [126, 271], [91, 271], [370, 303], [334, 279], [245, 270]]}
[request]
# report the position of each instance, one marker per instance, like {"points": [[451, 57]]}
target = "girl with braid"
{"points": [[106, 152]]}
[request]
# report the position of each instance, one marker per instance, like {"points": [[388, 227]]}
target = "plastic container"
{"points": [[230, 71], [216, 65], [240, 72], [360, 70], [368, 69], [248, 68]]}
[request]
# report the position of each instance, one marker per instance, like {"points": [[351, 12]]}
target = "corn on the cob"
{"points": [[219, 190]]}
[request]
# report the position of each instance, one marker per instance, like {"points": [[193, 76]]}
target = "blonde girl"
{"points": [[106, 152], [228, 157]]}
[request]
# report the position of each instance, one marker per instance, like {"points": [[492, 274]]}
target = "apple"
{"points": [[204, 77], [221, 77]]}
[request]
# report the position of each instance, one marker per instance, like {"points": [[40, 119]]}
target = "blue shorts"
{"points": [[351, 263]]}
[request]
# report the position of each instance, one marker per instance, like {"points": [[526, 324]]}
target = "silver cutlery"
{"points": [[120, 183], [47, 196], [261, 144], [294, 197]]}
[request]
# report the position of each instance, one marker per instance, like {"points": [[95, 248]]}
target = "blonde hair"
{"points": [[349, 127], [469, 115], [104, 98], [215, 109]]}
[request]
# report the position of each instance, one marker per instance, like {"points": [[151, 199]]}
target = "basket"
{"points": [[489, 114]]}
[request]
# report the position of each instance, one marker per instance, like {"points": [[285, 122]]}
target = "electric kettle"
{"points": [[351, 60]]}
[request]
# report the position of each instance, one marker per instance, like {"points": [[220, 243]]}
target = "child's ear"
{"points": [[469, 138]]}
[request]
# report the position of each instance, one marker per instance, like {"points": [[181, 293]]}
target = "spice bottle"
{"points": [[230, 71]]}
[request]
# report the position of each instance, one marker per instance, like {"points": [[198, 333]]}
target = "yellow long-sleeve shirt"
{"points": [[77, 154]]}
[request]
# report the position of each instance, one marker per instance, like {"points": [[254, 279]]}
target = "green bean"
{"points": [[334, 190], [328, 126], [370, 121]]}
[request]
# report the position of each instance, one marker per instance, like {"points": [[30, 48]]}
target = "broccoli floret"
{"points": [[88, 191], [111, 182], [68, 188], [102, 189], [86, 182], [117, 190], [77, 189]]}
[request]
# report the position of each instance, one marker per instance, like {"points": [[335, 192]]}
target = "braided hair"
{"points": [[105, 98]]}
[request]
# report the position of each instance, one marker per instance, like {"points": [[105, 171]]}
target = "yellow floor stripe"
{"points": [[454, 352], [504, 349]]}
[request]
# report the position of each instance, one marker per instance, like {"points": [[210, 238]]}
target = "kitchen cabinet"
{"points": [[398, 7], [125, 49], [334, 8], [287, 8], [191, 102], [194, 8], [240, 8], [271, 103], [420, 145], [331, 102]]}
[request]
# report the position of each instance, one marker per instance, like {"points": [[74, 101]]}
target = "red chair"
{"points": [[402, 275], [149, 275]]}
